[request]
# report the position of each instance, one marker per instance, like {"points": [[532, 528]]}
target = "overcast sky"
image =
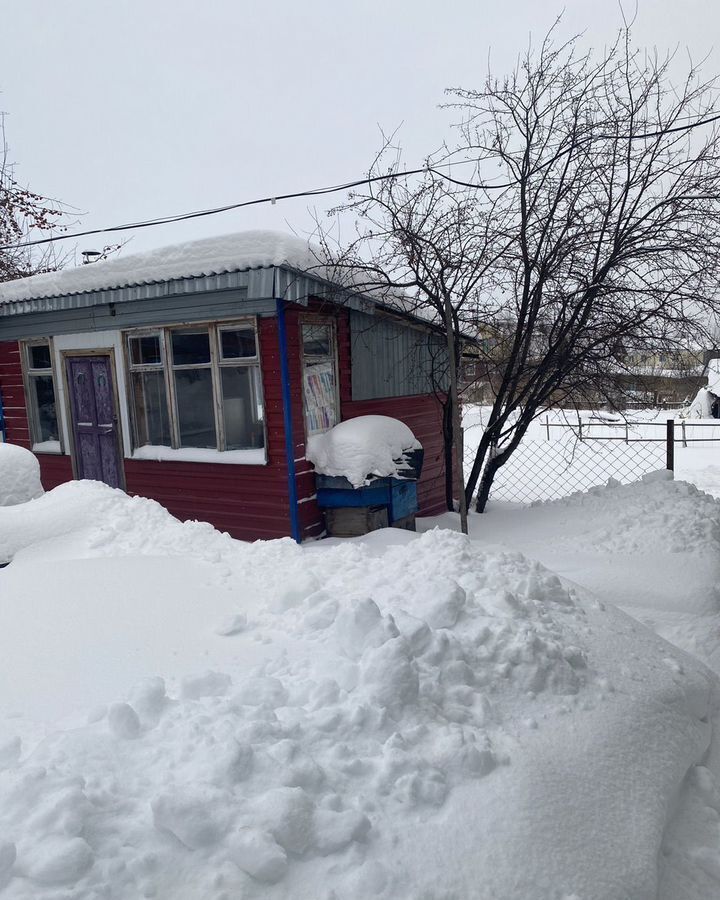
{"points": [[140, 108]]}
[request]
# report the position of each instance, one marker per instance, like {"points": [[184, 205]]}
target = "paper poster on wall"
{"points": [[320, 397]]}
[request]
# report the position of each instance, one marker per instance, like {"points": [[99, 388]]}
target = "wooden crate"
{"points": [[352, 521]]}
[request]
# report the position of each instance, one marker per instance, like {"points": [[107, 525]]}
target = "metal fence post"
{"points": [[670, 445], [547, 426], [684, 440]]}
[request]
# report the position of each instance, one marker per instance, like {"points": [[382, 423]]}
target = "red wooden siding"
{"points": [[249, 502], [422, 413], [54, 469], [13, 394]]}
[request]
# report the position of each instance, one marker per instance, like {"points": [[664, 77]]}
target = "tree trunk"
{"points": [[477, 466], [455, 404], [488, 476]]}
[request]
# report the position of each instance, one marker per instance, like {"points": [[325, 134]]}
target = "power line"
{"points": [[333, 189], [181, 217]]}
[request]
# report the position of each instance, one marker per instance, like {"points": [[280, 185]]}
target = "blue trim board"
{"points": [[287, 418]]}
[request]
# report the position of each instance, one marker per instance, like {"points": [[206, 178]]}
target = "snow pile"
{"points": [[652, 547], [19, 475], [272, 773], [293, 772], [701, 406], [89, 515], [407, 716], [366, 445], [713, 376], [653, 515], [207, 256], [654, 543]]}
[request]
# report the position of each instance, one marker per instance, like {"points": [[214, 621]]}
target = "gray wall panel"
{"points": [[135, 314], [392, 359]]}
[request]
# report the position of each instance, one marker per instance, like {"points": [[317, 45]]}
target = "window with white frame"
{"points": [[197, 386], [42, 409]]}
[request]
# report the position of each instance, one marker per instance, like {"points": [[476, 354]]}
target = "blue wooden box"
{"points": [[400, 497]]}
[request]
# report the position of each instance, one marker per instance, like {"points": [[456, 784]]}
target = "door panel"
{"points": [[94, 418]]}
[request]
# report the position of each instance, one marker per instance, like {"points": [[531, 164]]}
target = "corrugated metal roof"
{"points": [[206, 257], [266, 265]]}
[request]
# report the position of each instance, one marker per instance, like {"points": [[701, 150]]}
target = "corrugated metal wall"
{"points": [[421, 413], [136, 314], [390, 359]]}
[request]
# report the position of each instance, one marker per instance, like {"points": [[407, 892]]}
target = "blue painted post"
{"points": [[287, 418]]}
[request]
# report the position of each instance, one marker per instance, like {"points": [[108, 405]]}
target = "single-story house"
{"points": [[194, 374]]}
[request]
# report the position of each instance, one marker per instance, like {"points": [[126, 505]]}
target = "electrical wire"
{"points": [[333, 189]]}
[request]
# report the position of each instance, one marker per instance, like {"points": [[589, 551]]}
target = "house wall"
{"points": [[391, 358], [421, 412], [12, 392], [249, 502]]}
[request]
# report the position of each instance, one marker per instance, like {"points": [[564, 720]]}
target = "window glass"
{"points": [[39, 356], [43, 398], [316, 341], [191, 347], [242, 407], [214, 400], [195, 408], [145, 350], [319, 378], [152, 425], [238, 343]]}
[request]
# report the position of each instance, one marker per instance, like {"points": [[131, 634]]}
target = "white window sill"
{"points": [[201, 455], [47, 447]]}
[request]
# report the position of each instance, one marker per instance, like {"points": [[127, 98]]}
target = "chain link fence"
{"points": [[542, 470], [561, 459]]}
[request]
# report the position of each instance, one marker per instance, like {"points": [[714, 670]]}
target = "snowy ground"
{"points": [[420, 716]]}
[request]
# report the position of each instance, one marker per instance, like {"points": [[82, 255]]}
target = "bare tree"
{"points": [[423, 246], [609, 214], [22, 213]]}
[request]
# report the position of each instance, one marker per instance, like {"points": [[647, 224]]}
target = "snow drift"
{"points": [[19, 475], [405, 718]]}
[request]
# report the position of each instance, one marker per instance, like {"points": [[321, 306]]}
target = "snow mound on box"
{"points": [[19, 475], [366, 445]]}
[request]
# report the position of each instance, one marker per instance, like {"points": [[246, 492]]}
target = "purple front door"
{"points": [[94, 418]]}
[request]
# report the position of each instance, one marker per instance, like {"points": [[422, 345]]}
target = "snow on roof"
{"points": [[207, 256]]}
